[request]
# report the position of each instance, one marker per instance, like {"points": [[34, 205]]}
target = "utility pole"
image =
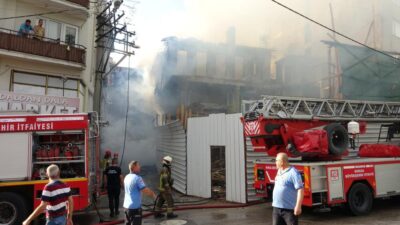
{"points": [[113, 37]]}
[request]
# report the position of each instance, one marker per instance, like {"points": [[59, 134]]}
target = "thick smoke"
{"points": [[257, 23], [140, 134], [264, 24]]}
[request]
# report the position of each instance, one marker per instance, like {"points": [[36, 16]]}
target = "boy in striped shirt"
{"points": [[56, 199]]}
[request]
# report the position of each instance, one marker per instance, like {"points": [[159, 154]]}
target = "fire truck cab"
{"points": [[33, 142]]}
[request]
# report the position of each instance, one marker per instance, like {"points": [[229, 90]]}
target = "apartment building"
{"points": [[53, 73]]}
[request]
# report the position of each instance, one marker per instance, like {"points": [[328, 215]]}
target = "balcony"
{"points": [[84, 3], [75, 8], [50, 48]]}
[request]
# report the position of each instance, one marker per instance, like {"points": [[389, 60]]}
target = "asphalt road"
{"points": [[385, 212]]}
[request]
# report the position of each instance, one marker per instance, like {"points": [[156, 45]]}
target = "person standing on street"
{"points": [[288, 193], [114, 181], [165, 188], [56, 199], [104, 163], [134, 187]]}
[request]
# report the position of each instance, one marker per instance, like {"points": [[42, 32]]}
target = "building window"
{"points": [[201, 63], [71, 34], [53, 29], [254, 69], [221, 65], [60, 31], [32, 84], [181, 62], [38, 84], [239, 67], [396, 28]]}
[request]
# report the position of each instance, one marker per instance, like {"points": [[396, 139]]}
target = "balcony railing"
{"points": [[11, 40], [84, 3]]}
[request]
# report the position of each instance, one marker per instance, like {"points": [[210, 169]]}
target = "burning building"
{"points": [[198, 78]]}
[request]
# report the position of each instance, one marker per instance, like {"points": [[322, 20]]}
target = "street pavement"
{"points": [[385, 212]]}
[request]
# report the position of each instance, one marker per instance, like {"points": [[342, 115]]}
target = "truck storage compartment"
{"points": [[65, 149]]}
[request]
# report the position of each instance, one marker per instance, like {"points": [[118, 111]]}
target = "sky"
{"points": [[259, 23]]}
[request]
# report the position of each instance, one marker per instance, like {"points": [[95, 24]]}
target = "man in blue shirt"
{"points": [[288, 193], [25, 29], [134, 186]]}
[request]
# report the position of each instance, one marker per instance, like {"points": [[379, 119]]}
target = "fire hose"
{"points": [[188, 207]]}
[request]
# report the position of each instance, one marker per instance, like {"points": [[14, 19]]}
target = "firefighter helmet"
{"points": [[107, 154], [167, 159]]}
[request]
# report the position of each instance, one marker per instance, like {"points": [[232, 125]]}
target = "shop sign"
{"points": [[42, 104]]}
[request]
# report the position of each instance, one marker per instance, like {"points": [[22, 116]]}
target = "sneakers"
{"points": [[159, 215], [171, 215]]}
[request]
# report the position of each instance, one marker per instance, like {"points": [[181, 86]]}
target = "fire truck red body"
{"points": [[355, 182], [33, 142], [330, 176]]}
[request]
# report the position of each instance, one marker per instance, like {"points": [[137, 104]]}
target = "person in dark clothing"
{"points": [[113, 180], [165, 189]]}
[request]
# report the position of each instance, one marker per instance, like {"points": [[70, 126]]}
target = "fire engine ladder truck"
{"points": [[299, 108], [321, 109]]}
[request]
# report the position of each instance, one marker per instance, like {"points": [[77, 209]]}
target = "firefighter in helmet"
{"points": [[104, 163], [165, 188]]}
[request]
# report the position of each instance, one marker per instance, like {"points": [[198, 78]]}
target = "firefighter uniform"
{"points": [[165, 188]]}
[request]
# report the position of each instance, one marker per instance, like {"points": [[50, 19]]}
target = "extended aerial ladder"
{"points": [[275, 124], [321, 109]]}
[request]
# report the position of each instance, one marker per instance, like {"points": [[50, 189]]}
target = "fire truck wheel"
{"points": [[13, 208], [360, 199], [338, 138]]}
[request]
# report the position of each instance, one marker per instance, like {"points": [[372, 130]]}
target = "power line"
{"points": [[38, 14], [336, 32], [127, 112]]}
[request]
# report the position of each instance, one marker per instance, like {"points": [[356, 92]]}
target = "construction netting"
{"points": [[368, 74]]}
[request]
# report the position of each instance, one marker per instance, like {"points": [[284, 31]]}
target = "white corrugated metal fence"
{"points": [[172, 142], [216, 130]]}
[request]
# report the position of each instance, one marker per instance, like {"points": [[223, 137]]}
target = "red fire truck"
{"points": [[33, 142], [317, 134]]}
